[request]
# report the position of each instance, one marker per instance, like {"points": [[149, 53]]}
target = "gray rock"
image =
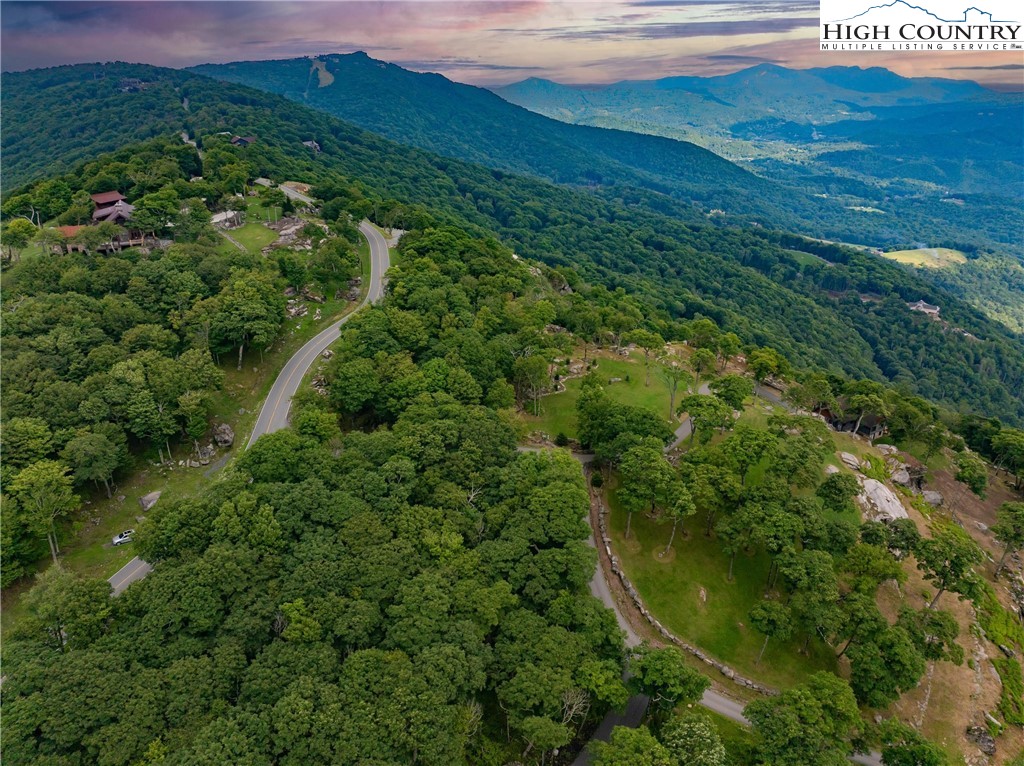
{"points": [[932, 497], [901, 477], [224, 435], [980, 736], [880, 502], [148, 501], [887, 449], [851, 461], [1007, 651], [830, 469]]}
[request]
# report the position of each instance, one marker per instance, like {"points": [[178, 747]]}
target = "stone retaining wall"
{"points": [[668, 635]]}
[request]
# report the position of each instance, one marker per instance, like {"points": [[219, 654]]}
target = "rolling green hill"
{"points": [[629, 237]]}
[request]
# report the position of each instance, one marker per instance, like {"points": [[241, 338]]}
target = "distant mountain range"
{"points": [[838, 130], [470, 123], [764, 118]]}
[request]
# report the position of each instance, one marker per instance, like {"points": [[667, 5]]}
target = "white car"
{"points": [[124, 537]]}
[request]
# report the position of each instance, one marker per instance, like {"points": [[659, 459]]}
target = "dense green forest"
{"points": [[847, 315], [105, 353], [415, 590], [423, 576]]}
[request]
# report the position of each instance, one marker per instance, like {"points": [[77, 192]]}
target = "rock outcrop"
{"points": [[880, 502], [148, 501], [223, 435]]}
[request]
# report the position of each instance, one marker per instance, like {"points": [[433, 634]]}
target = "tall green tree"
{"points": [[702, 360], [92, 457], [665, 677], [630, 747], [648, 480], [650, 342], [67, 611], [773, 620], [809, 725], [249, 312], [947, 561], [1009, 530], [45, 491], [707, 414]]}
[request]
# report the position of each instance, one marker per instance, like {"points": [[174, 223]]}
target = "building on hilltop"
{"points": [[120, 212], [924, 308], [871, 426], [243, 141], [106, 199]]}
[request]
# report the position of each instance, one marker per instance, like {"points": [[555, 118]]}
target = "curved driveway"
{"points": [[274, 415], [633, 715]]}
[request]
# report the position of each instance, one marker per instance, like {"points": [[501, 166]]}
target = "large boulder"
{"points": [[932, 497], [224, 435], [980, 736], [830, 469], [902, 477], [880, 502], [148, 501], [850, 461]]}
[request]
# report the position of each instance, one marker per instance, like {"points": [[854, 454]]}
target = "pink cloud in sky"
{"points": [[480, 41]]}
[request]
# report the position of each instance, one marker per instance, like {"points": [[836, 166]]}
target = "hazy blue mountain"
{"points": [[462, 121], [878, 143]]}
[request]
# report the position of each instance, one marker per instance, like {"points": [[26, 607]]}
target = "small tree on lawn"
{"points": [[774, 620]]}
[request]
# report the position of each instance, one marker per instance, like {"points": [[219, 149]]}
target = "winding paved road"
{"points": [[274, 415]]}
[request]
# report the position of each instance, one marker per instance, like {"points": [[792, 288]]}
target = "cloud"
{"points": [[992, 68], [736, 58], [450, 62], [680, 30], [482, 42]]}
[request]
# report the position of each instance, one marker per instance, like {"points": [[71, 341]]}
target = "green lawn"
{"points": [[558, 411], [253, 236], [716, 622], [805, 259], [932, 257]]}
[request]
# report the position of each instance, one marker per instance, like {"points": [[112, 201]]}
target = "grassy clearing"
{"points": [[930, 257], [558, 411], [253, 236], [805, 259], [689, 592]]}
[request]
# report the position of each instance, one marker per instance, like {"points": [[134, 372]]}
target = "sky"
{"points": [[484, 42]]}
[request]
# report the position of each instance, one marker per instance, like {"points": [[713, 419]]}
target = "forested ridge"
{"points": [[470, 123], [620, 236]]}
